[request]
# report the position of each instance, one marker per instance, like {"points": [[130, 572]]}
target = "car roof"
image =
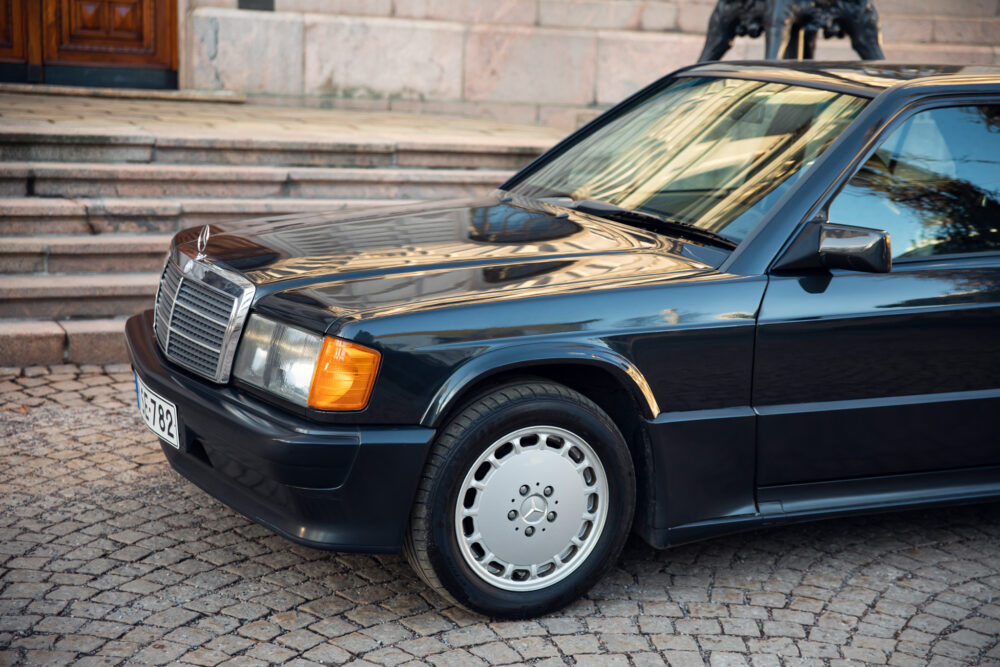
{"points": [[866, 78]]}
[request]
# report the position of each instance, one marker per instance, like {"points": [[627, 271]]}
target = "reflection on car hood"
{"points": [[391, 260]]}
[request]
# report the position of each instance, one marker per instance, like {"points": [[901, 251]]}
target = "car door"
{"points": [[863, 374]]}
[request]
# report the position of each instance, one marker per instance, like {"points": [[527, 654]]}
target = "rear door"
{"points": [[857, 374]]}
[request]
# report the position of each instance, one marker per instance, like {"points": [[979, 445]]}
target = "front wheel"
{"points": [[526, 500]]}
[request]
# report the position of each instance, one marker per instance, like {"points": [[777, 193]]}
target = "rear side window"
{"points": [[933, 184]]}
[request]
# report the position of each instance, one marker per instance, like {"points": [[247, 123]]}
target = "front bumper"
{"points": [[346, 488]]}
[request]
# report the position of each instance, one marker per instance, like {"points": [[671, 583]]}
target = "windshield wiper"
{"points": [[650, 221]]}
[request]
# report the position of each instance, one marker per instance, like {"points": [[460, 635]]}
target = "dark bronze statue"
{"points": [[790, 26]]}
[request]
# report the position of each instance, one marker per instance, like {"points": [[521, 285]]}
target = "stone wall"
{"points": [[554, 62]]}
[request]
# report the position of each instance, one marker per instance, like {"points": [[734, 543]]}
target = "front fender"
{"points": [[496, 361]]}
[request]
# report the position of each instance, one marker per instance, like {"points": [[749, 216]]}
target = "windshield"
{"points": [[713, 153]]}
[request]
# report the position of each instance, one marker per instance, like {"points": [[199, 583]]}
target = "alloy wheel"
{"points": [[531, 508]]}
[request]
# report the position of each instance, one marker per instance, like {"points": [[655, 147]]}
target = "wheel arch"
{"points": [[588, 370], [566, 364]]}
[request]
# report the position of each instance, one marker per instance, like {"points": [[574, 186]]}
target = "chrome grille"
{"points": [[190, 354], [199, 314], [202, 330], [200, 299]]}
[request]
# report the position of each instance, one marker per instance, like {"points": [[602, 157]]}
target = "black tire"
{"points": [[432, 541]]}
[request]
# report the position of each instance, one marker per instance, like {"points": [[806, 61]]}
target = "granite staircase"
{"points": [[86, 212], [92, 189]]}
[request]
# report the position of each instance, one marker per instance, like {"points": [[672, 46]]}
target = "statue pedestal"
{"points": [[790, 27]]}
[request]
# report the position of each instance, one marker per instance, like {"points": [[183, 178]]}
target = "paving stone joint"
{"points": [[108, 557]]}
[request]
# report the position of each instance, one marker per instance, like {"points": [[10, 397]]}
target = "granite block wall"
{"points": [[555, 62]]}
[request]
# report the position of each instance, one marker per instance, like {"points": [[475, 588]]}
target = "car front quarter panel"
{"points": [[679, 346]]}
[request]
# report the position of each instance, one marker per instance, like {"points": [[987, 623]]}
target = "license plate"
{"points": [[159, 414]]}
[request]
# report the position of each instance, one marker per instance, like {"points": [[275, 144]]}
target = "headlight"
{"points": [[325, 373]]}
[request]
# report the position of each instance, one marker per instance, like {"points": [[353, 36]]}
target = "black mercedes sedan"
{"points": [[750, 294]]}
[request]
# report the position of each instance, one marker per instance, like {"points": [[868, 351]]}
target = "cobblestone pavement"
{"points": [[107, 556]]}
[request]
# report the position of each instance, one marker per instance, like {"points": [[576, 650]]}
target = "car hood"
{"points": [[391, 260]]}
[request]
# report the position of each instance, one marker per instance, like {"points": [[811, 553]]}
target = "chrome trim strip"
{"points": [[213, 350], [781, 409], [159, 295]]}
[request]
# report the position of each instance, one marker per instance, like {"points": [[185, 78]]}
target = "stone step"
{"points": [[76, 295], [110, 253], [33, 143], [47, 342], [53, 215], [213, 96], [53, 179]]}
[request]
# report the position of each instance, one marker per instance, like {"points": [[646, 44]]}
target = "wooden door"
{"points": [[19, 53], [90, 42], [118, 32], [13, 37]]}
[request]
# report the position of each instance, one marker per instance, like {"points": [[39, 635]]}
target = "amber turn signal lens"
{"points": [[344, 376]]}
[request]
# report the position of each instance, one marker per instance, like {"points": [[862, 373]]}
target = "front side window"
{"points": [[713, 153], [933, 184]]}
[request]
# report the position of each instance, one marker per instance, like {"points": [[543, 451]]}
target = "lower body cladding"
{"points": [[345, 488]]}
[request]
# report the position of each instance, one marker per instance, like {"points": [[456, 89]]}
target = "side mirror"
{"points": [[827, 245]]}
